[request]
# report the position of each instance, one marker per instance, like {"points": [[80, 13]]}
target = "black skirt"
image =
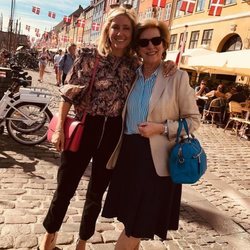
{"points": [[144, 202]]}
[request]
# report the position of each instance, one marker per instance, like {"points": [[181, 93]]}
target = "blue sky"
{"points": [[23, 12]]}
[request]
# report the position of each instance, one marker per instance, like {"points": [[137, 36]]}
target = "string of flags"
{"points": [[189, 5], [215, 9], [36, 10], [52, 14]]}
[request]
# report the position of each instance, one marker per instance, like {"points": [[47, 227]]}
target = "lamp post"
{"points": [[10, 28]]}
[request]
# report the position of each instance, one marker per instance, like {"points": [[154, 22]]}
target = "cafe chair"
{"points": [[235, 116], [215, 109]]}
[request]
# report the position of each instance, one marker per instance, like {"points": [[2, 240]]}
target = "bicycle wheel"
{"points": [[29, 131]]}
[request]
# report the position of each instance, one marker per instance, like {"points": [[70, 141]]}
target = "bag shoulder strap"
{"points": [[91, 85], [93, 75]]}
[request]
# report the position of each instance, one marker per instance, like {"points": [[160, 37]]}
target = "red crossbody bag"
{"points": [[73, 129]]}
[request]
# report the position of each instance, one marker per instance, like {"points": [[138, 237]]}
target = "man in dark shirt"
{"points": [[239, 96], [67, 61]]}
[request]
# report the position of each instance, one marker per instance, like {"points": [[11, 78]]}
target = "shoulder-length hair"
{"points": [[104, 45], [153, 23]]}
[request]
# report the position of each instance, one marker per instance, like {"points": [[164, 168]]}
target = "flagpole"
{"points": [[183, 42]]}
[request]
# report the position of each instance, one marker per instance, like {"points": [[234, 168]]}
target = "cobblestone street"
{"points": [[215, 212]]}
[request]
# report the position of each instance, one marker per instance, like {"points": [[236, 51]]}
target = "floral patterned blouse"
{"points": [[113, 80]]}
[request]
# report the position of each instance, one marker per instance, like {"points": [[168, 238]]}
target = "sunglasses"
{"points": [[145, 42]]}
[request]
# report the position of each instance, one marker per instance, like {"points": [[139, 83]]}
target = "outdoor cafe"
{"points": [[221, 110]]}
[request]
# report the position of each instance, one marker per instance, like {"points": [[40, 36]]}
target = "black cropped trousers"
{"points": [[100, 137]]}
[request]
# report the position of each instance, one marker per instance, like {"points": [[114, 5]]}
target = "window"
{"points": [[173, 39], [194, 39], [181, 39], [200, 5], [207, 37], [177, 11], [233, 43], [227, 2], [168, 11], [159, 14]]}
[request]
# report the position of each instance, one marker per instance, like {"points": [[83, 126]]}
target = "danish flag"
{"points": [[95, 26], [36, 30], [67, 19], [80, 23], [36, 10], [181, 48], [27, 27], [159, 3], [187, 6], [52, 14], [216, 7], [65, 39]]}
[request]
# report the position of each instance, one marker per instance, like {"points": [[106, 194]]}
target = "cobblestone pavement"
{"points": [[215, 212]]}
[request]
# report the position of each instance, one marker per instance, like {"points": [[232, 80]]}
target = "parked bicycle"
{"points": [[25, 113]]}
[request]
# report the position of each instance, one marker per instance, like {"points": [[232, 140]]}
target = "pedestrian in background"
{"points": [[57, 59], [103, 124], [141, 193], [67, 61], [43, 58]]}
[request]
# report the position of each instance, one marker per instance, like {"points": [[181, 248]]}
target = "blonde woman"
{"points": [[103, 125]]}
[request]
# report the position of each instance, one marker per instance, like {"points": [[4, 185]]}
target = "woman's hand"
{"points": [[169, 68], [58, 140], [147, 129]]}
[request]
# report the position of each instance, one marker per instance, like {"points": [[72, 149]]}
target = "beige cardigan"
{"points": [[172, 97]]}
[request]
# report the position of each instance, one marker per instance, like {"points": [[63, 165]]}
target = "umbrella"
{"points": [[231, 63], [189, 53]]}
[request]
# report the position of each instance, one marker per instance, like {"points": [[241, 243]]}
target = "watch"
{"points": [[165, 132]]}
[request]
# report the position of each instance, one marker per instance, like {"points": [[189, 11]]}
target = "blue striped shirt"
{"points": [[138, 101]]}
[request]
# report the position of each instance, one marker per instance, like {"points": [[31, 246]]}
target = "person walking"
{"points": [[43, 58], [141, 193], [57, 59], [103, 124], [67, 61]]}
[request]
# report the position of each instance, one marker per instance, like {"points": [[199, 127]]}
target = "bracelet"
{"points": [[58, 131], [165, 132]]}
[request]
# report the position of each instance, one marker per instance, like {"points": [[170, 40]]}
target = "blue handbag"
{"points": [[187, 161]]}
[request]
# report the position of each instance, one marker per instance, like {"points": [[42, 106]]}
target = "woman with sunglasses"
{"points": [[103, 124], [141, 194]]}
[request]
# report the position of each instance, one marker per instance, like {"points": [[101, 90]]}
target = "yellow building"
{"points": [[228, 32]]}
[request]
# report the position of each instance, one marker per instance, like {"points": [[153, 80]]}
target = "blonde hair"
{"points": [[153, 23], [104, 46]]}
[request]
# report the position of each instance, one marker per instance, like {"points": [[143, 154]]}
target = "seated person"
{"points": [[231, 91], [238, 96], [201, 90], [219, 92], [213, 94]]}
